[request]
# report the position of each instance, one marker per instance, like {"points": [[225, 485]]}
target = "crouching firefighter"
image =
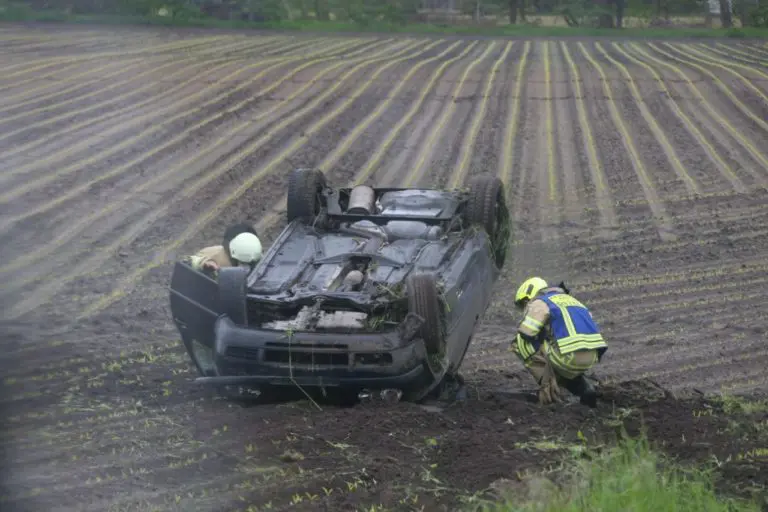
{"points": [[241, 246], [557, 340]]}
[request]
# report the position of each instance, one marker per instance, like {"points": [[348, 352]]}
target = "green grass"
{"points": [[627, 478], [21, 13]]}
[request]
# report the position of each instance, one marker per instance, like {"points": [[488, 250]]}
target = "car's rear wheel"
{"points": [[487, 208], [305, 198], [232, 293]]}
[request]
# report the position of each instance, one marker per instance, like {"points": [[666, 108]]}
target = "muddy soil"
{"points": [[646, 196]]}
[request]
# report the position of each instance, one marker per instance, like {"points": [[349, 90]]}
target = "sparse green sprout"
{"points": [[291, 456], [627, 477]]}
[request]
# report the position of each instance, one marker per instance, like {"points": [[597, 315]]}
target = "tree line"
{"points": [[603, 13]]}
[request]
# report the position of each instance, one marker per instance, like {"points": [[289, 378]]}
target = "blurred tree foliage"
{"points": [[603, 13]]}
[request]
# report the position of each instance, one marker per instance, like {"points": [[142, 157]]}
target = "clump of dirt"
{"points": [[405, 454]]}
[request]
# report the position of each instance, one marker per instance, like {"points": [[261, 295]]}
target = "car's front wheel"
{"points": [[233, 293], [424, 301]]}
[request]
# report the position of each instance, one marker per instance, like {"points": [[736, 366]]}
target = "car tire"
{"points": [[487, 208], [232, 293], [424, 301], [305, 200]]}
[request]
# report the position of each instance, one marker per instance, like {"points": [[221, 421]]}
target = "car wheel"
{"points": [[424, 301], [232, 293], [305, 199], [487, 208]]}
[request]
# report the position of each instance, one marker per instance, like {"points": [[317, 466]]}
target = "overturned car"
{"points": [[365, 288]]}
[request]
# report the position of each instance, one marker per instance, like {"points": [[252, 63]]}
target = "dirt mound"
{"points": [[404, 455]]}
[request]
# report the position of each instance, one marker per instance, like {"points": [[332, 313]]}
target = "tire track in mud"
{"points": [[181, 170], [131, 108], [151, 217], [127, 143], [661, 218], [714, 124]]}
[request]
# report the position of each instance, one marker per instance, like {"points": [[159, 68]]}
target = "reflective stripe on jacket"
{"points": [[572, 325]]}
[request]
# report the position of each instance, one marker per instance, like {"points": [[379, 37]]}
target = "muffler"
{"points": [[362, 200]]}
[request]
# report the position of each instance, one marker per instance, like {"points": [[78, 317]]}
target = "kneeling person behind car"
{"points": [[557, 340], [241, 246]]}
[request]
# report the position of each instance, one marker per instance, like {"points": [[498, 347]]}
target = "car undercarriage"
{"points": [[364, 288]]}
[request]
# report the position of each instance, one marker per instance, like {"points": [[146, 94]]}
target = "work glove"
{"points": [[549, 389]]}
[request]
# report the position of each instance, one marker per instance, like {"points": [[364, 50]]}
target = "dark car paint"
{"points": [[286, 272]]}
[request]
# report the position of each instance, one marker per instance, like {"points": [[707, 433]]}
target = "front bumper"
{"points": [[253, 357]]}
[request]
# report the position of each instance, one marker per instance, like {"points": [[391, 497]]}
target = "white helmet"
{"points": [[245, 248]]}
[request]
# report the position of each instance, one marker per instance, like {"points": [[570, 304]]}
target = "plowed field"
{"points": [[636, 171]]}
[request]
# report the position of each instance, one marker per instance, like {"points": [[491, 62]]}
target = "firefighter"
{"points": [[557, 340], [241, 246]]}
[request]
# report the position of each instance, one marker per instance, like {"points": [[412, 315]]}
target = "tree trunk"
{"points": [[619, 13], [743, 8], [513, 11], [725, 14], [321, 10]]}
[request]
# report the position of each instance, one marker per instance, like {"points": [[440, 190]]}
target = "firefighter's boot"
{"points": [[582, 388]]}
